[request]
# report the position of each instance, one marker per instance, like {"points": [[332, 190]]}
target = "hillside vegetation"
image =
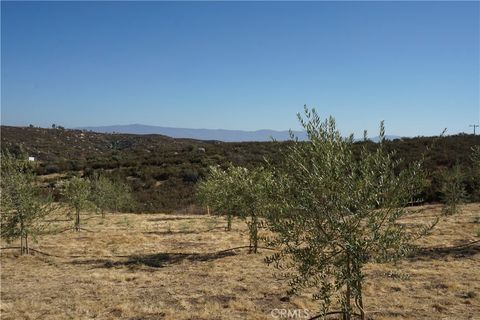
{"points": [[163, 171]]}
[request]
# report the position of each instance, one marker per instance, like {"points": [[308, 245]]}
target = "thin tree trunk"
{"points": [[26, 243], [77, 220], [348, 292], [21, 244], [255, 234], [360, 301], [22, 237], [229, 222]]}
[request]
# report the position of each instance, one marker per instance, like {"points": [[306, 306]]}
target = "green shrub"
{"points": [[23, 206]]}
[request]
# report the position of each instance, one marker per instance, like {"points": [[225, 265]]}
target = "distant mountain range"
{"points": [[199, 134], [205, 134]]}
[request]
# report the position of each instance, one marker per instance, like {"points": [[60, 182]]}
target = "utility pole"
{"points": [[474, 127]]}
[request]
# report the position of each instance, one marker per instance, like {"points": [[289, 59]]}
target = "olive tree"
{"points": [[77, 193], [122, 196], [108, 194], [331, 212], [453, 189], [216, 192], [23, 207], [252, 188], [240, 192], [102, 193]]}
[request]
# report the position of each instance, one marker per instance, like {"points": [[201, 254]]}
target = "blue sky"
{"points": [[242, 65]]}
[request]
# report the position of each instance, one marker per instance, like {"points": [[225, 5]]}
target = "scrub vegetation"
{"points": [[163, 173], [342, 222]]}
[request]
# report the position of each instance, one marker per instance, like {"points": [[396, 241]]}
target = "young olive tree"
{"points": [[122, 196], [453, 190], [216, 191], [77, 193], [237, 191], [253, 187], [23, 207], [332, 212], [108, 194], [102, 194]]}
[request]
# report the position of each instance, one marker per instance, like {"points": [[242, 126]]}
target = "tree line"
{"points": [[25, 206]]}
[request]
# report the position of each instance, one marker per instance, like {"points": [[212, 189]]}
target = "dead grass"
{"points": [[157, 266]]}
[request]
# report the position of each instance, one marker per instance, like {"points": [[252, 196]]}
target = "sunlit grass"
{"points": [[158, 266]]}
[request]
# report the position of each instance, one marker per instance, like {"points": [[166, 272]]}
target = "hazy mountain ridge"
{"points": [[207, 134], [198, 134]]}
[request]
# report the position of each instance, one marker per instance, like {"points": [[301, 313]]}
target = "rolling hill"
{"points": [[163, 171]]}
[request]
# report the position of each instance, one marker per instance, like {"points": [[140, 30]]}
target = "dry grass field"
{"points": [[158, 266]]}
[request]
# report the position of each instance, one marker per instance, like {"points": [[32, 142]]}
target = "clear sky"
{"points": [[242, 65]]}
